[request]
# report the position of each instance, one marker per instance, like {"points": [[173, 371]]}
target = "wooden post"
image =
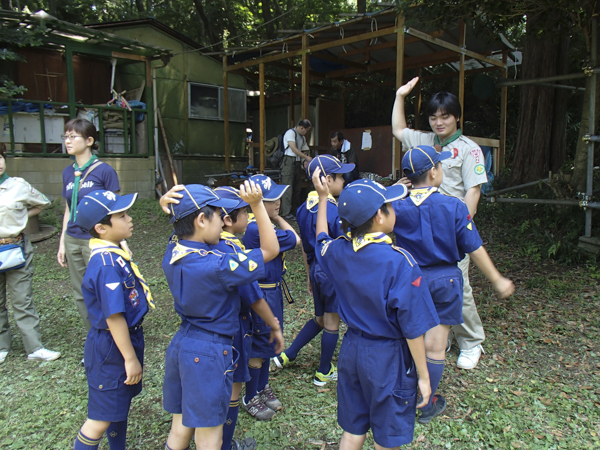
{"points": [[261, 87], [70, 81], [305, 76], [226, 113], [419, 100], [503, 105], [397, 146], [343, 101], [149, 99], [292, 102], [461, 81]]}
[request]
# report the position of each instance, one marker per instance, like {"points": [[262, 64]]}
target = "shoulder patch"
{"points": [[252, 265], [233, 265], [112, 286], [470, 226], [417, 282], [479, 169], [325, 246]]}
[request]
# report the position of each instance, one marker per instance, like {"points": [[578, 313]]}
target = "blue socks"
{"points": [[117, 435], [263, 378], [436, 370], [307, 334], [82, 442], [230, 423], [328, 343], [252, 385]]}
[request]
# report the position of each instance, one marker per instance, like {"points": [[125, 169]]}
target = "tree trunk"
{"points": [[149, 5], [233, 31], [542, 110], [139, 4], [266, 12], [210, 33], [361, 5]]}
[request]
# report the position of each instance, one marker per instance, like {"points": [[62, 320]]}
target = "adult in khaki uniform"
{"points": [[18, 202], [464, 173], [292, 167]]}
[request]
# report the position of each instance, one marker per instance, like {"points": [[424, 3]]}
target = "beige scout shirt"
{"points": [[16, 197], [463, 170]]}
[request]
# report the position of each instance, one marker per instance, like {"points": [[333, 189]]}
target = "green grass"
{"points": [[537, 387]]}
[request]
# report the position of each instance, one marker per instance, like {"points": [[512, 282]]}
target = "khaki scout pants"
{"points": [[292, 172], [470, 333], [20, 285], [78, 255]]}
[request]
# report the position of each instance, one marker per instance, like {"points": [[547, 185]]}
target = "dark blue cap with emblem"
{"points": [[98, 204], [328, 165], [270, 190], [230, 193], [195, 197], [419, 160], [360, 200]]}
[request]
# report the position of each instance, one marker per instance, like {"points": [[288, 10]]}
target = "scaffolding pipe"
{"points": [[570, 76], [515, 188], [536, 201], [592, 120]]}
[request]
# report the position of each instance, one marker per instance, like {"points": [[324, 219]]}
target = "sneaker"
{"points": [[322, 379], [282, 360], [3, 356], [468, 359], [247, 444], [43, 354], [257, 409], [268, 398], [438, 406]]}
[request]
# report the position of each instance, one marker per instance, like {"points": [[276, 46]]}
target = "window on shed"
{"points": [[207, 102]]}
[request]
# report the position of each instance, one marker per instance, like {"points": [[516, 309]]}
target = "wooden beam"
{"points": [[292, 102], [500, 160], [388, 44], [305, 77], [455, 48], [461, 79], [397, 145], [262, 124], [335, 59], [128, 56], [455, 74], [226, 113]]}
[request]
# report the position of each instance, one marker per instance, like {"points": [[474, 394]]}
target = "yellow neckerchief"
{"points": [[101, 246], [227, 236], [370, 238], [179, 251], [419, 195], [313, 199]]}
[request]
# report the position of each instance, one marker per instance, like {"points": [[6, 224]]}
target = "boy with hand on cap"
{"points": [[387, 309], [200, 359], [235, 220], [319, 285], [438, 229], [259, 400], [117, 299]]}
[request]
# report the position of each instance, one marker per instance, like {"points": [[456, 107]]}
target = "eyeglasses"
{"points": [[70, 137]]}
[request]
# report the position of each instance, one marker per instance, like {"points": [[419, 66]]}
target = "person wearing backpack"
{"points": [[292, 166]]}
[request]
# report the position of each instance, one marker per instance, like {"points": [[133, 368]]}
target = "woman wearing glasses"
{"points": [[85, 175]]}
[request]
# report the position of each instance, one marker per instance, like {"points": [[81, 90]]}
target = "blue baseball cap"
{"points": [[360, 200], [230, 193], [270, 190], [419, 160], [328, 164], [98, 204], [195, 197]]}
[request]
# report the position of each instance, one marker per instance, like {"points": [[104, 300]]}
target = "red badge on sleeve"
{"points": [[469, 217], [417, 282]]}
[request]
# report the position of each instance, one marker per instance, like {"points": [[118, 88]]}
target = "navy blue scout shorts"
{"points": [[242, 341], [324, 296], [198, 381], [374, 389], [445, 285], [261, 333], [109, 397]]}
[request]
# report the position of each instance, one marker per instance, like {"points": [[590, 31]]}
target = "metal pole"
{"points": [[515, 188], [592, 120], [534, 201], [570, 76]]}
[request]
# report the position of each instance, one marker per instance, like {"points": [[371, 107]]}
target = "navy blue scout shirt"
{"points": [[306, 216], [102, 177], [110, 287], [249, 293], [435, 227], [274, 269], [204, 283], [388, 300]]}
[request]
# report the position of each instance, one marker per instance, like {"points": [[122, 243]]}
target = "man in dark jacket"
{"points": [[342, 150]]}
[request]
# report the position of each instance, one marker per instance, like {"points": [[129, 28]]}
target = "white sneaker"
{"points": [[3, 356], [43, 354], [468, 359]]}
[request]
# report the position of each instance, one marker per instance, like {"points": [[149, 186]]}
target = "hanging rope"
{"points": [[374, 21]]}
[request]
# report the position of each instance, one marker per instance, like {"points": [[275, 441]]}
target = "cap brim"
{"points": [[444, 155], [276, 193], [346, 168], [223, 203], [240, 204], [396, 192], [123, 203]]}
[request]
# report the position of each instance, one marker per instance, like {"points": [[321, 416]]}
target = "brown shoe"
{"points": [[268, 398], [257, 409]]}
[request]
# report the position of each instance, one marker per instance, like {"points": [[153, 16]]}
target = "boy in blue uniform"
{"points": [[235, 220], [260, 401], [438, 229], [117, 298], [387, 309], [319, 285], [204, 282]]}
